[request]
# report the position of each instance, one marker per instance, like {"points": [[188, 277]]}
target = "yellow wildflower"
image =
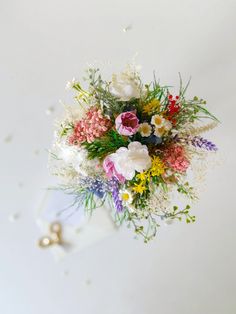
{"points": [[157, 167], [142, 176], [152, 106], [139, 188]]}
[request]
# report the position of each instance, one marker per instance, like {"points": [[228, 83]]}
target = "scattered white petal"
{"points": [[88, 282], [36, 151], [49, 110], [8, 138], [20, 184], [65, 273], [127, 28], [14, 217]]}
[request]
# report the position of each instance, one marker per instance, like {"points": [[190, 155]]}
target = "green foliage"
{"points": [[105, 145], [100, 90], [65, 129], [178, 214], [187, 190], [146, 227], [82, 197]]}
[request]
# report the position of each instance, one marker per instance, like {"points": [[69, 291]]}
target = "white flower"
{"points": [[167, 125], [67, 153], [70, 84], [157, 120], [126, 196], [131, 159], [159, 131], [124, 86], [78, 159], [164, 126], [145, 129]]}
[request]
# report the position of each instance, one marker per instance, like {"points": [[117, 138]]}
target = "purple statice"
{"points": [[115, 195], [203, 143]]}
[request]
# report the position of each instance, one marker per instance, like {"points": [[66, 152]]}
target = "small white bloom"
{"points": [[126, 196], [131, 159], [159, 132], [167, 125], [157, 120], [70, 84], [124, 86], [145, 129]]}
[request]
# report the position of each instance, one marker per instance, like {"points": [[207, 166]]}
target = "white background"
{"points": [[189, 269]]}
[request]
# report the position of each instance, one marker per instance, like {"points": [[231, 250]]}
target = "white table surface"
{"points": [[189, 269]]}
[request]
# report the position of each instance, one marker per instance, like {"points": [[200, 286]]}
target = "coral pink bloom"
{"points": [[127, 123], [175, 158], [94, 125], [110, 170]]}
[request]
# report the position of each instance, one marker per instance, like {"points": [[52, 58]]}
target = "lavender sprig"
{"points": [[196, 141], [115, 195], [203, 143]]}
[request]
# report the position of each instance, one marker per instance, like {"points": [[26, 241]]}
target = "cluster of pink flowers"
{"points": [[94, 125], [175, 158]]}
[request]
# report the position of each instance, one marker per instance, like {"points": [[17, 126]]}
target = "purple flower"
{"points": [[95, 185], [203, 143], [196, 141], [115, 195]]}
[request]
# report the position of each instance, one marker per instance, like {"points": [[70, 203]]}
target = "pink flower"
{"points": [[94, 125], [110, 170], [175, 158], [127, 123]]}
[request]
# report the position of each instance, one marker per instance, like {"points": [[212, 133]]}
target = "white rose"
{"points": [[124, 87], [131, 159]]}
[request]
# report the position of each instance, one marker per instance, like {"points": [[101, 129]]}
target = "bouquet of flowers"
{"points": [[132, 145]]}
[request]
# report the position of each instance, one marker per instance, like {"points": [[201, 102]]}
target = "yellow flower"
{"points": [[142, 176], [157, 167], [139, 188], [152, 106]]}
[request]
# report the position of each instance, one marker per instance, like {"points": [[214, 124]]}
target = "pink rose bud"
{"points": [[127, 123]]}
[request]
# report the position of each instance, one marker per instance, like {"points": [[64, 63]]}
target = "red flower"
{"points": [[173, 108]]}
